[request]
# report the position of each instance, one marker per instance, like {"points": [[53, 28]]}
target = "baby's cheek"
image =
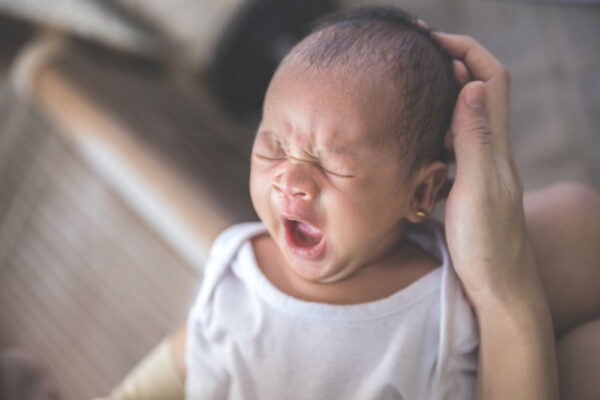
{"points": [[256, 189]]}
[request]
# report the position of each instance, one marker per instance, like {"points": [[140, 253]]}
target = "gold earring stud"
{"points": [[421, 214]]}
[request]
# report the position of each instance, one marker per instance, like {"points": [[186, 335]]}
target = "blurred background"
{"points": [[125, 134]]}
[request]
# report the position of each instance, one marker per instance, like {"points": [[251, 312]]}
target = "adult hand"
{"points": [[485, 223], [486, 234]]}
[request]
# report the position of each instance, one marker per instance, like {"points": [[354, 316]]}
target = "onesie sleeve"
{"points": [[206, 375]]}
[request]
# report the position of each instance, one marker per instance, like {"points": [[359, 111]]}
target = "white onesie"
{"points": [[248, 340]]}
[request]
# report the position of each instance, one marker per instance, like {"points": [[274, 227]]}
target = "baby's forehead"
{"points": [[358, 87], [374, 81], [356, 109], [382, 66]]}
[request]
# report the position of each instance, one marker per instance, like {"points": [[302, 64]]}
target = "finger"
{"points": [[462, 76], [424, 26], [497, 133], [471, 135], [482, 65], [480, 62]]}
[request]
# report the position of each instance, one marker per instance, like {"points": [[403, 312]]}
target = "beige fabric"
{"points": [[154, 378]]}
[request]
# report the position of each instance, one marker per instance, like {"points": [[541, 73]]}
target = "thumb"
{"points": [[470, 129]]}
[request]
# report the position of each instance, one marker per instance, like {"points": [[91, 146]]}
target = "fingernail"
{"points": [[475, 97], [422, 23]]}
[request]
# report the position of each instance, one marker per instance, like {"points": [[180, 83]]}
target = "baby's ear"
{"points": [[429, 181]]}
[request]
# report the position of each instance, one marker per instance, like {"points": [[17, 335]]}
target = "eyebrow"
{"points": [[342, 151], [268, 136], [333, 151]]}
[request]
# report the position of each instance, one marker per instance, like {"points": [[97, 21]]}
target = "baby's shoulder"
{"points": [[235, 235]]}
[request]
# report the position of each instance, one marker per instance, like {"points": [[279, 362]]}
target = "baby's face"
{"points": [[330, 188]]}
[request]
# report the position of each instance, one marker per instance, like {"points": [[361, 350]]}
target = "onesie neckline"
{"points": [[427, 235]]}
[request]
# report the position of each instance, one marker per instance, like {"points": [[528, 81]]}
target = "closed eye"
{"points": [[269, 157], [338, 174], [274, 158]]}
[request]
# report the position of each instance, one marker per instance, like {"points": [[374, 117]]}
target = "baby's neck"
{"points": [[403, 266]]}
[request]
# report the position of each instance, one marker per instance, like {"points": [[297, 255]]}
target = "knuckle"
{"points": [[480, 131], [483, 138], [484, 133]]}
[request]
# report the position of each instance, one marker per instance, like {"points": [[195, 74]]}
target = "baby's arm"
{"points": [[159, 376]]}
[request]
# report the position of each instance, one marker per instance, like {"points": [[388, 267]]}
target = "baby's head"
{"points": [[386, 45], [350, 146]]}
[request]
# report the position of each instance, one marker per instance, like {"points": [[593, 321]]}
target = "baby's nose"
{"points": [[296, 181]]}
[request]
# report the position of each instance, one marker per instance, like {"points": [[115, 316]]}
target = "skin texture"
{"points": [[322, 156]]}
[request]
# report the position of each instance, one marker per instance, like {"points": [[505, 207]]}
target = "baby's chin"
{"points": [[324, 271]]}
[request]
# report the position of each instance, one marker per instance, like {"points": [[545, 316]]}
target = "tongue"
{"points": [[306, 235]]}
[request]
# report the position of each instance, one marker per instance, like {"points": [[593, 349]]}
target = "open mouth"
{"points": [[303, 238]]}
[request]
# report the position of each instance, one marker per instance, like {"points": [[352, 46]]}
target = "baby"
{"points": [[345, 289]]}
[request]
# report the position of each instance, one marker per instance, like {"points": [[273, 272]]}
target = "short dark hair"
{"points": [[422, 71]]}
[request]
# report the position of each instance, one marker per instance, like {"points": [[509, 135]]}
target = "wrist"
{"points": [[523, 311], [512, 283], [517, 343]]}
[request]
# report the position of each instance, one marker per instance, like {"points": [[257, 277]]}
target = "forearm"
{"points": [[487, 238], [517, 357]]}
